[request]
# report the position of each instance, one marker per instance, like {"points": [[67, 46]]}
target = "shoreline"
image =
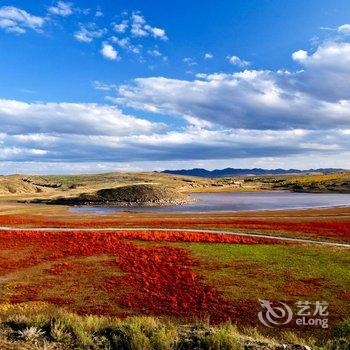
{"points": [[212, 205], [193, 212]]}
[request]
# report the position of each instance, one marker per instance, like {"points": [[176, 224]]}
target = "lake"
{"points": [[236, 202]]}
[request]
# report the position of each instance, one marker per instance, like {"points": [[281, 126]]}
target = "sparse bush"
{"points": [[31, 334], [75, 326], [59, 333], [225, 338], [342, 329], [69, 331]]}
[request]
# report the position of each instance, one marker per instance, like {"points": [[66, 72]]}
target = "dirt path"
{"points": [[254, 235]]}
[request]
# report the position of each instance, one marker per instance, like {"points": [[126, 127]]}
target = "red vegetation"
{"points": [[156, 280], [345, 295], [305, 287], [164, 283], [328, 228], [57, 269]]}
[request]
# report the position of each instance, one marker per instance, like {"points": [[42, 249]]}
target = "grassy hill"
{"points": [[28, 187], [130, 195], [336, 182], [15, 187]]}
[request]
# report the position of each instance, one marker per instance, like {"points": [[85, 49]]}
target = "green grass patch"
{"points": [[276, 272]]}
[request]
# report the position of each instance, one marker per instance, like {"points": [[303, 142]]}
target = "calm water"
{"points": [[234, 202]]}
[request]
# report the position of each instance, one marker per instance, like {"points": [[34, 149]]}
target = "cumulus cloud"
{"points": [[344, 29], [236, 61], [79, 133], [189, 61], [87, 33], [98, 85], [98, 13], [156, 32], [109, 52], [299, 56], [15, 20], [191, 144], [125, 43], [316, 97], [154, 53], [61, 8], [121, 27], [247, 114], [325, 73], [140, 28], [18, 117], [208, 56]]}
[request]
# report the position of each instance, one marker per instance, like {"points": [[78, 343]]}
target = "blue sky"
{"points": [[138, 85]]}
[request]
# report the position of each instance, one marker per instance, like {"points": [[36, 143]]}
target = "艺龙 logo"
{"points": [[274, 314]]}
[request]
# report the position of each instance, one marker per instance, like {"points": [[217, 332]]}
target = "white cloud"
{"points": [[189, 61], [300, 161], [236, 61], [18, 117], [154, 53], [191, 144], [265, 115], [98, 85], [326, 73], [156, 32], [61, 8], [208, 56], [344, 29], [317, 97], [137, 18], [121, 27], [126, 44], [300, 55], [109, 52], [16, 20], [87, 33], [98, 13], [138, 31], [140, 28]]}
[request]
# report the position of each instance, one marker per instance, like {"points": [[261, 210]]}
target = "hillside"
{"points": [[336, 182], [28, 187], [82, 187], [129, 195]]}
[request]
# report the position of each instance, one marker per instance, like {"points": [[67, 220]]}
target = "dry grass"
{"points": [[58, 329], [23, 187]]}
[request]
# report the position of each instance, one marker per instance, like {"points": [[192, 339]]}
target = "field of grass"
{"points": [[323, 224], [289, 272], [189, 284], [106, 272], [187, 277], [34, 326]]}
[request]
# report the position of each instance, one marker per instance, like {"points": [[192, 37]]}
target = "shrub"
{"points": [[31, 334], [342, 330]]}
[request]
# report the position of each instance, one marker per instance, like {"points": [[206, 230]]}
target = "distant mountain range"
{"points": [[237, 172]]}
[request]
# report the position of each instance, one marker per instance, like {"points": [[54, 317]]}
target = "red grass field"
{"points": [[157, 280], [187, 275], [334, 227]]}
